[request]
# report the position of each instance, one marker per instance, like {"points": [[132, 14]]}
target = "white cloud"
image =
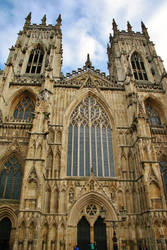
{"points": [[86, 25], [157, 30]]}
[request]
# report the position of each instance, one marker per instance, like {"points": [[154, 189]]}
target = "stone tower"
{"points": [[83, 156]]}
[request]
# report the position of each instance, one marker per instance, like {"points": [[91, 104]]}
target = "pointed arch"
{"points": [[22, 231], [155, 195], [154, 112], [35, 61], [57, 164], [120, 199], [11, 178], [94, 198], [138, 67], [49, 163], [90, 138], [47, 199], [7, 211], [23, 105], [163, 170], [51, 135], [58, 136], [39, 151]]}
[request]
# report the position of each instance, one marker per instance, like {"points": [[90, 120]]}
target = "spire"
{"points": [[144, 30], [43, 20], [88, 63], [129, 27], [58, 24], [114, 25], [28, 20], [59, 20]]}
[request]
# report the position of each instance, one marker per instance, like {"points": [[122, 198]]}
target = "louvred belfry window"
{"points": [[10, 179], [24, 109], [35, 61], [138, 67], [152, 115], [89, 141]]}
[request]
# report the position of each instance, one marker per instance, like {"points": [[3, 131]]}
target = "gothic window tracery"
{"points": [[35, 61], [10, 179], [152, 115], [89, 141], [163, 169], [24, 109], [138, 67]]}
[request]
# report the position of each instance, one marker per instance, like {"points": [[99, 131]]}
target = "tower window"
{"points": [[89, 141], [138, 67], [152, 115], [24, 109], [35, 61], [10, 179], [163, 168]]}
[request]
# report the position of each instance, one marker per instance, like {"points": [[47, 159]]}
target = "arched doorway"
{"points": [[83, 233], [100, 234], [5, 228]]}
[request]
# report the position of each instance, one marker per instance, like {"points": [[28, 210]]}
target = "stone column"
{"points": [[91, 233]]}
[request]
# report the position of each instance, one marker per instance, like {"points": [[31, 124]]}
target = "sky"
{"points": [[86, 25]]}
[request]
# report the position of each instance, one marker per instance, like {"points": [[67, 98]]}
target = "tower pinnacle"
{"points": [[129, 27], [43, 20], [88, 63], [114, 25], [28, 20], [144, 30]]}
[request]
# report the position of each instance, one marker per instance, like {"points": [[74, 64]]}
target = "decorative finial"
{"points": [[59, 20], [88, 63], [114, 25], [144, 30], [43, 20], [58, 24], [129, 27], [28, 20], [110, 38]]}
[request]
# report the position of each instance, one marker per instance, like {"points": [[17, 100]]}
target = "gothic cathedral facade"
{"points": [[83, 157]]}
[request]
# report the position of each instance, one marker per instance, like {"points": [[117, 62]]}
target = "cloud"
{"points": [[157, 30], [86, 25]]}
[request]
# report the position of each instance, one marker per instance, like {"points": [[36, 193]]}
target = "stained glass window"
{"points": [[138, 67], [163, 168], [35, 61], [152, 115], [24, 109], [89, 141], [10, 179]]}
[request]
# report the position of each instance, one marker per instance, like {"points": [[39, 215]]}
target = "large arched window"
{"points": [[89, 141], [10, 179], [35, 61], [138, 67], [163, 168], [24, 109], [152, 115]]}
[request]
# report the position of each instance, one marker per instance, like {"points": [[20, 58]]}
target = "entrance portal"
{"points": [[100, 234], [83, 234], [5, 228]]}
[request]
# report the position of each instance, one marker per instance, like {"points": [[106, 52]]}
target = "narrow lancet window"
{"points": [[138, 67], [89, 141], [163, 168], [35, 61], [24, 109], [10, 179]]}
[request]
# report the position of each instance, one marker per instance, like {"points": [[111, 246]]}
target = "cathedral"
{"points": [[83, 156]]}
